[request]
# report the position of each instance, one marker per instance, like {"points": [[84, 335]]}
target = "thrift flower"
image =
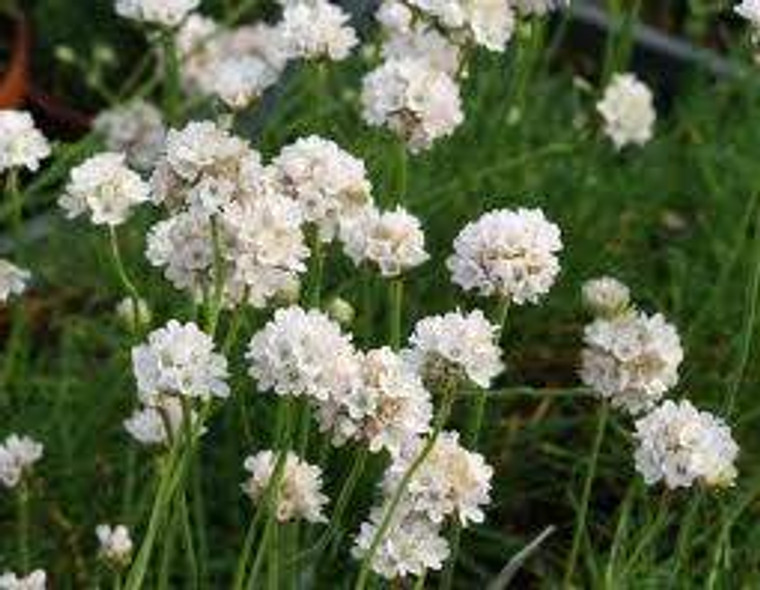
{"points": [[13, 280], [627, 108], [22, 145], [115, 545], [17, 456]]}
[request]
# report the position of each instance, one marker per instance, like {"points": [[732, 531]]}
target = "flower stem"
{"points": [[580, 522], [23, 523], [126, 281], [403, 165], [17, 208], [448, 400], [172, 83], [396, 296]]}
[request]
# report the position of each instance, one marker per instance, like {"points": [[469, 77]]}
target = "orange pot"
{"points": [[14, 81]]}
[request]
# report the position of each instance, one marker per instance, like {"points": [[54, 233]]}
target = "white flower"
{"points": [[539, 7], [13, 280], [17, 456], [300, 493], [266, 250], [35, 581], [489, 23], [469, 342], [412, 545], [136, 129], [627, 108], [303, 353], [317, 28], [115, 544], [133, 314], [413, 99], [508, 254], [395, 17], [749, 10], [329, 184], [157, 423], [104, 188], [631, 359], [606, 296], [423, 42], [678, 444], [238, 82], [451, 481], [21, 143], [179, 359], [167, 13], [389, 407], [393, 240]]}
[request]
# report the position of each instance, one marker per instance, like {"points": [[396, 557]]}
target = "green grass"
{"points": [[676, 220]]}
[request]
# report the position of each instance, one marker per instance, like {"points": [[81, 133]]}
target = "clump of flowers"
{"points": [[313, 29], [466, 343], [299, 492], [627, 108], [179, 360], [393, 240], [165, 13], [37, 580], [678, 445], [104, 188], [13, 280], [750, 11], [18, 454], [508, 254], [136, 130], [22, 145], [115, 545]]}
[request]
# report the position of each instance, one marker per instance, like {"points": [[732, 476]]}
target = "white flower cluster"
{"points": [[466, 342], [451, 482], [22, 145], [165, 13], [37, 580], [104, 188], [750, 11], [17, 456], [627, 108], [299, 495], [678, 444], [313, 29], [115, 545], [393, 240], [508, 254], [13, 280], [135, 129], [179, 360]]}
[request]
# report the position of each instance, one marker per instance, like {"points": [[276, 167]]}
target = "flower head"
{"points": [[115, 545], [606, 296], [21, 143], [317, 28], [749, 10], [158, 423], [627, 108], [678, 444], [508, 254], [17, 456], [13, 280], [631, 359], [36, 580], [165, 13], [300, 493], [104, 188], [135, 129], [179, 360]]}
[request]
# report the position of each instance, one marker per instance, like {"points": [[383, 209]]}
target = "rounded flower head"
{"points": [[631, 359], [104, 188], [414, 100], [22, 145], [137, 130], [452, 481], [165, 13], [421, 42], [300, 495], [678, 444], [329, 184], [749, 10], [159, 422], [606, 297], [17, 456], [508, 254], [37, 580], [412, 545], [239, 82], [303, 353], [313, 29], [393, 240], [627, 108], [467, 342], [115, 545], [179, 360], [387, 409], [13, 280]]}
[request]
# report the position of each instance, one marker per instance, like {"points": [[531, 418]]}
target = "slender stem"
{"points": [[17, 210], [217, 294], [23, 523], [396, 296], [168, 550], [448, 399], [187, 537], [403, 166], [316, 273], [126, 281], [199, 515], [580, 523], [420, 583], [172, 83], [245, 553], [117, 581], [273, 567]]}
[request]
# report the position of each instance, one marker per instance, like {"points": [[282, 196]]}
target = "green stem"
{"points": [[273, 567], [396, 297], [448, 399], [17, 210], [316, 273], [245, 553], [217, 295], [168, 550], [23, 523], [580, 523], [126, 281], [172, 81], [403, 170], [187, 537]]}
